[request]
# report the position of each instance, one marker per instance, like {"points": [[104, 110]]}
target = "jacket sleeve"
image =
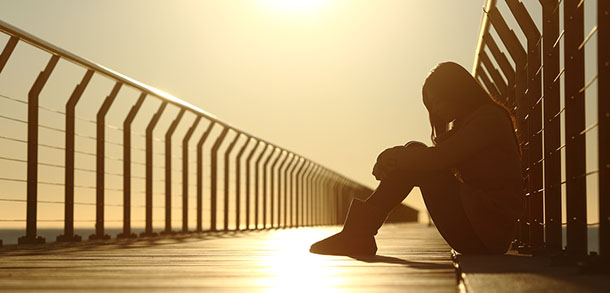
{"points": [[486, 127]]}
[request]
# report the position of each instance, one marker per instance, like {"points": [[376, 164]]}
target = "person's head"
{"points": [[450, 93]]}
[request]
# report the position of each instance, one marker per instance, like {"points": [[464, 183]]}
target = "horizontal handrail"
{"points": [[484, 29], [55, 50], [313, 200], [555, 151]]}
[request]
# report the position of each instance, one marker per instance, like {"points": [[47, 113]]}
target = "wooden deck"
{"points": [[525, 273], [411, 258]]}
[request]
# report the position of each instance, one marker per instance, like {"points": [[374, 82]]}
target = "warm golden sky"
{"points": [[334, 80], [337, 81]]}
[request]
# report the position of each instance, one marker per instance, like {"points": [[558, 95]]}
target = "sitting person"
{"points": [[470, 178]]}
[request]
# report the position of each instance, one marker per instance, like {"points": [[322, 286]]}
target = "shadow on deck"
{"points": [[524, 273], [412, 257]]}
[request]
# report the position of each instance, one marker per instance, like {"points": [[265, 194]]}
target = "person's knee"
{"points": [[415, 143]]}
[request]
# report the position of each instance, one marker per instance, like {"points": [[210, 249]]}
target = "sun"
{"points": [[295, 6]]}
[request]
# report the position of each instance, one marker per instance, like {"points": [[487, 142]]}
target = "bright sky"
{"points": [[337, 81]]}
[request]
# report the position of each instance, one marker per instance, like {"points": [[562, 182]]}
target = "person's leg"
{"points": [[391, 191], [364, 218], [441, 196], [394, 189], [440, 191], [358, 234]]}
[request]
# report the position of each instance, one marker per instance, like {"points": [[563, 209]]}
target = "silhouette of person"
{"points": [[470, 178]]}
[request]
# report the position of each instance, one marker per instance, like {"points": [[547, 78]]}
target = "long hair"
{"points": [[454, 83]]}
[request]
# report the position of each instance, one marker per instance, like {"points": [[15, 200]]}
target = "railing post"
{"points": [[250, 156], [238, 183], [490, 86], [168, 172], [508, 37], [265, 186], [355, 191], [350, 196], [272, 185], [306, 194], [286, 178], [324, 200], [69, 235], [603, 110], [347, 198], [336, 198], [321, 197], [318, 196], [332, 198], [299, 194], [100, 164], [329, 198], [293, 190], [7, 51], [298, 170], [518, 54], [32, 188], [344, 200], [148, 230], [518, 103], [185, 174], [552, 126], [506, 68], [226, 181], [127, 168], [495, 75], [4, 56], [256, 184], [534, 123], [214, 176], [280, 177], [310, 194], [576, 195], [200, 143]]}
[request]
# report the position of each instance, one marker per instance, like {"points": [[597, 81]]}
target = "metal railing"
{"points": [[551, 129], [294, 191]]}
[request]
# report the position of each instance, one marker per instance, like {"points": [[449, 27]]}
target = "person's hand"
{"points": [[387, 162], [381, 170]]}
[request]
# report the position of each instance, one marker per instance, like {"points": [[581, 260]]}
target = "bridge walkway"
{"points": [[411, 257]]}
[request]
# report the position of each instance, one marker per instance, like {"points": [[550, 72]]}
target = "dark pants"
{"points": [[440, 190]]}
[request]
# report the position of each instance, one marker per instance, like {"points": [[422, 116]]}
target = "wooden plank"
{"points": [[412, 257], [524, 273]]}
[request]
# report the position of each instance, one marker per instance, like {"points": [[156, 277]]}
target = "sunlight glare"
{"points": [[295, 6], [294, 269]]}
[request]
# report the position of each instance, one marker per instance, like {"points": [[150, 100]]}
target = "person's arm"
{"points": [[487, 127], [444, 136]]}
